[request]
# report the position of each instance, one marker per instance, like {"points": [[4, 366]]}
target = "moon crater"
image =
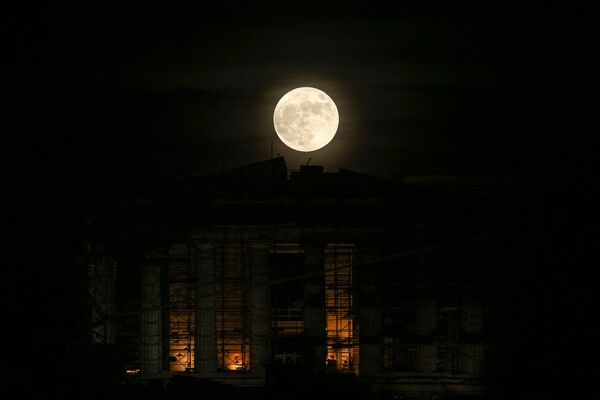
{"points": [[306, 119]]}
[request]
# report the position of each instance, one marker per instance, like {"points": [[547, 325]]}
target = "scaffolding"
{"points": [[232, 291], [181, 311], [398, 333], [151, 320], [287, 316], [342, 335], [102, 272], [424, 337]]}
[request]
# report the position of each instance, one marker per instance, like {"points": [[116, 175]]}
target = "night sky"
{"points": [[108, 93], [114, 94]]}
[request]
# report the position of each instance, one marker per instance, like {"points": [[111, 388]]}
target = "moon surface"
{"points": [[306, 119]]}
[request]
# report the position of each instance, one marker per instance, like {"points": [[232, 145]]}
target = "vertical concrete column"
{"points": [[425, 324], [472, 317], [425, 317], [369, 313], [472, 359], [426, 357], [151, 321], [472, 352], [205, 349], [260, 310], [103, 275], [315, 319]]}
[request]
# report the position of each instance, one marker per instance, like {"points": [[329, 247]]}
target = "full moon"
{"points": [[306, 119]]}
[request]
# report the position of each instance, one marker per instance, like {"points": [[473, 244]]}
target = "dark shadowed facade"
{"points": [[266, 278]]}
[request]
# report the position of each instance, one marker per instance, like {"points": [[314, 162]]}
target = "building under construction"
{"points": [[261, 276]]}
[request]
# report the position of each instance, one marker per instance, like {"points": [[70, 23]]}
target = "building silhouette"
{"points": [[265, 277]]}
